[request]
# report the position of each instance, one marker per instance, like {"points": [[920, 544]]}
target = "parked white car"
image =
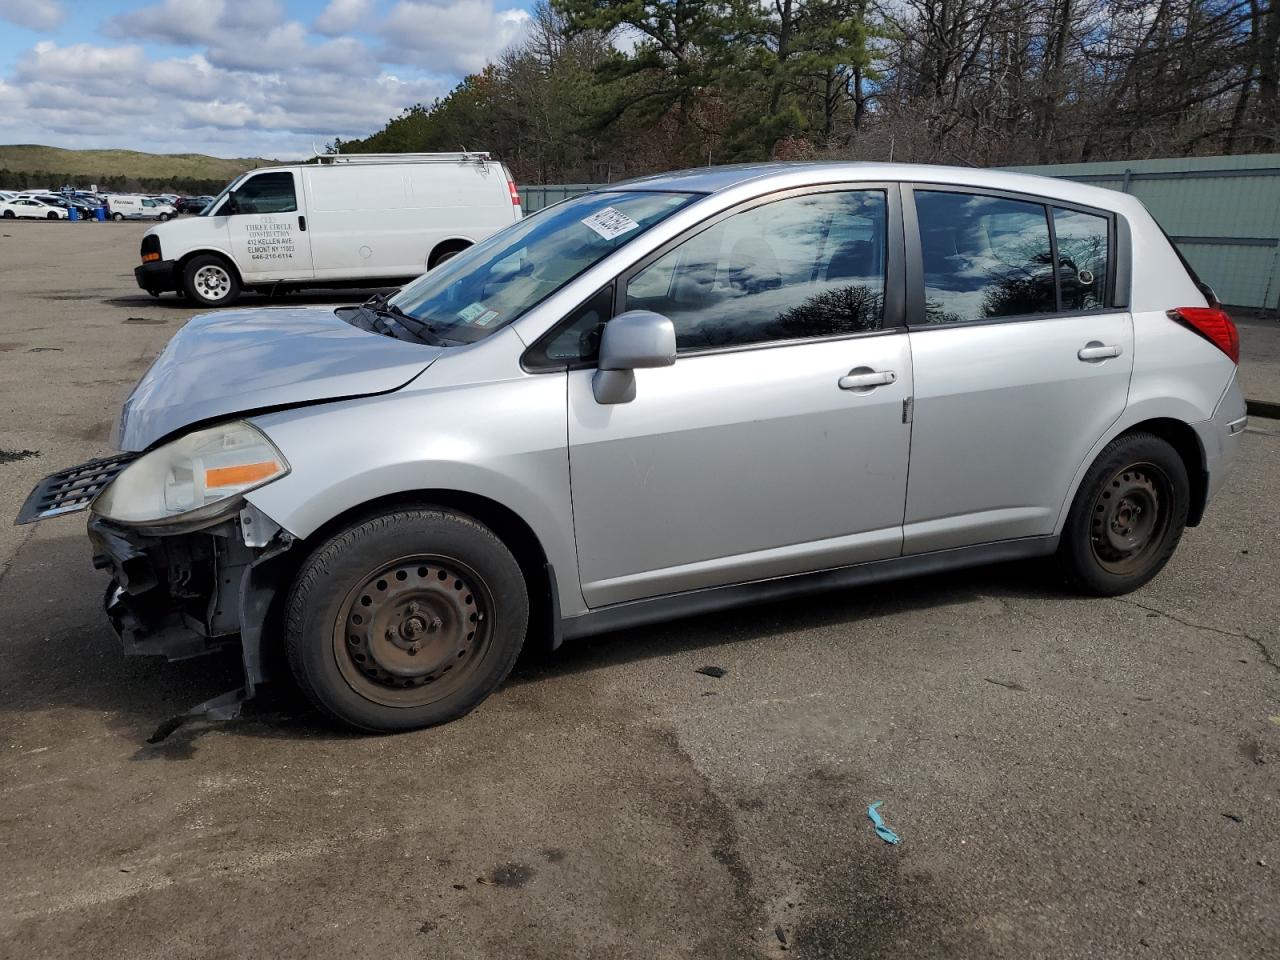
{"points": [[352, 220], [29, 208], [127, 207]]}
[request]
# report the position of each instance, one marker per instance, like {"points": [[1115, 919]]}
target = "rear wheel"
{"points": [[444, 253], [406, 620], [1127, 517], [210, 281], [10, 215]]}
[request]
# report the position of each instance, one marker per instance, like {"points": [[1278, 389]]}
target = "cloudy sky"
{"points": [[233, 77]]}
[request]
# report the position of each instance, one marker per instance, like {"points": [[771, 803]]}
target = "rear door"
{"points": [[1019, 368], [267, 228]]}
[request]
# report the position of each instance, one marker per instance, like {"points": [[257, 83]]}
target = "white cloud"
{"points": [[36, 14], [457, 37], [343, 16]]}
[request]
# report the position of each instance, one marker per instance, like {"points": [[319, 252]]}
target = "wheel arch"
{"points": [[512, 529], [454, 244], [1174, 430], [212, 251]]}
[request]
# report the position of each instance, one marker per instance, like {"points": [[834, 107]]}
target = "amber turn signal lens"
{"points": [[240, 475], [148, 257]]}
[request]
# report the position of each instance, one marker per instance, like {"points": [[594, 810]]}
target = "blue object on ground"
{"points": [[73, 213], [100, 214], [883, 832]]}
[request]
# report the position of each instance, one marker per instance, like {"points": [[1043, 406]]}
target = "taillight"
{"points": [[515, 194], [1212, 324]]}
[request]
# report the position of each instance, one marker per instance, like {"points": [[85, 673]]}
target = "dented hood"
{"points": [[238, 361]]}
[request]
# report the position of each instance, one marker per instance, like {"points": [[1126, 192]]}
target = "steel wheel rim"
{"points": [[1129, 518], [212, 282], [437, 604]]}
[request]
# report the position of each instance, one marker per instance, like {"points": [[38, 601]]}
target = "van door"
{"points": [[1019, 369], [267, 227]]}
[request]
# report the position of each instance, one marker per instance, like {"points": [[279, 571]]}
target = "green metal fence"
{"points": [[1222, 212]]}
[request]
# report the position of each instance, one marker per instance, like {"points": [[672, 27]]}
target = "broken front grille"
{"points": [[72, 489]]}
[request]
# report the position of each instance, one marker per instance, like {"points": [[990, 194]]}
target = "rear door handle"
{"points": [[1094, 350], [864, 378]]}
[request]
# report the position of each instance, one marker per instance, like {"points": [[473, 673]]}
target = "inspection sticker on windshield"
{"points": [[610, 223], [471, 311], [486, 318]]}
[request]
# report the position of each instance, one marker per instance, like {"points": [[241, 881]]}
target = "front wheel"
{"points": [[164, 217], [51, 215], [1127, 517], [210, 281], [117, 217], [408, 619]]}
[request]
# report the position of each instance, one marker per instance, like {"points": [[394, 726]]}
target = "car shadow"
{"points": [[62, 655]]}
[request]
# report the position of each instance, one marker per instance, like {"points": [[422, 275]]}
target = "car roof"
{"points": [[785, 175]]}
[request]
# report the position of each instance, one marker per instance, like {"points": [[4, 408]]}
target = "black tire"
{"points": [[371, 598], [117, 217], [51, 216], [10, 215], [164, 217], [440, 256], [1126, 518], [210, 281]]}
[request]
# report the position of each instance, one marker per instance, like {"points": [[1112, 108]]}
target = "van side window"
{"points": [[1082, 259], [801, 267], [267, 193], [984, 257]]}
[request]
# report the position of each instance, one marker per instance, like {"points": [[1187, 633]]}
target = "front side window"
{"points": [[492, 283], [983, 257], [802, 267], [267, 193], [1082, 259]]}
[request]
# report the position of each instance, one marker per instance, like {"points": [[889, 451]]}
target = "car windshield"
{"points": [[491, 284]]}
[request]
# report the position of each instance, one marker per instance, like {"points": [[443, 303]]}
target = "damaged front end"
{"points": [[179, 590]]}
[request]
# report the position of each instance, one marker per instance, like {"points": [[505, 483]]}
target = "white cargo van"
{"points": [[126, 206], [347, 220]]}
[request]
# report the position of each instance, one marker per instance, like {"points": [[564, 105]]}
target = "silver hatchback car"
{"points": [[662, 398]]}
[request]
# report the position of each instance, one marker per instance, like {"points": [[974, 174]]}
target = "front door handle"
{"points": [[864, 378], [1094, 350], [302, 224]]}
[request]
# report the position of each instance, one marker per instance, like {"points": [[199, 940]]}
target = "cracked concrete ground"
{"points": [[1071, 778]]}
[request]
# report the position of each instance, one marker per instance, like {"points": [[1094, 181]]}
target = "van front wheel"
{"points": [[210, 281], [408, 619]]}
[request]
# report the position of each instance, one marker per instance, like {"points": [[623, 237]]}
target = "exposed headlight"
{"points": [[196, 477]]}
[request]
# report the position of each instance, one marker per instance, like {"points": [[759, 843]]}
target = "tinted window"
{"points": [[810, 266], [1082, 259], [267, 193], [983, 257]]}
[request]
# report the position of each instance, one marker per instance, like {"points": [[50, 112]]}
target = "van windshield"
{"points": [[492, 283]]}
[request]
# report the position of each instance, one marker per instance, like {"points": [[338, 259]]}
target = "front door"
{"points": [[776, 443], [1019, 369], [268, 230]]}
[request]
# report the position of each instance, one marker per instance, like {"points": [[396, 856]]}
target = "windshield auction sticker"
{"points": [[610, 223]]}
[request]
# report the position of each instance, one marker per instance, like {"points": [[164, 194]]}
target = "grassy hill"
{"points": [[29, 157]]}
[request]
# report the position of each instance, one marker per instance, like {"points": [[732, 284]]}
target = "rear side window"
{"points": [[1082, 259], [267, 193], [983, 257], [801, 267]]}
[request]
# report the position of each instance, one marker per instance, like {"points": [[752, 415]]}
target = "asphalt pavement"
{"points": [[1069, 777]]}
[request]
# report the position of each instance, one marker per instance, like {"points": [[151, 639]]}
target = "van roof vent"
{"points": [[477, 156]]}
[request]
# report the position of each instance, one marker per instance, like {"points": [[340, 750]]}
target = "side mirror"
{"points": [[631, 341], [232, 206]]}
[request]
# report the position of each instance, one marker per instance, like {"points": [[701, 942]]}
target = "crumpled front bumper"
{"points": [[183, 595]]}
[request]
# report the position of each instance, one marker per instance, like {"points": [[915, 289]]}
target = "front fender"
{"points": [[502, 441]]}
